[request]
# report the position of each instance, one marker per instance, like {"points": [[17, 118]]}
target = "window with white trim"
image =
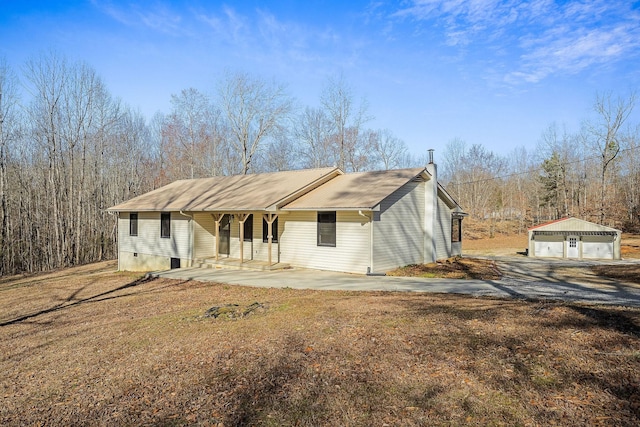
{"points": [[327, 228], [133, 224], [165, 225]]}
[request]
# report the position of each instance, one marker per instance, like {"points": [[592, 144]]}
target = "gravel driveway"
{"points": [[570, 280], [524, 278]]}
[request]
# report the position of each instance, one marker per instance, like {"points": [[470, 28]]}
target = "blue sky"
{"points": [[490, 72]]}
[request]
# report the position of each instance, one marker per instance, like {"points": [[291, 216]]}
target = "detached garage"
{"points": [[574, 238]]}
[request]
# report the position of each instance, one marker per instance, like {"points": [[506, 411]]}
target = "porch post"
{"points": [[269, 218], [217, 218], [242, 218]]}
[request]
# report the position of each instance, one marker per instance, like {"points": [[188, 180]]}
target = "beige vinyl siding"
{"points": [[256, 249], [299, 242], [204, 231], [247, 247], [205, 240], [149, 242], [442, 232], [398, 229]]}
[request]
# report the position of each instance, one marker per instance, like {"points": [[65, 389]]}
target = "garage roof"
{"points": [[572, 224]]}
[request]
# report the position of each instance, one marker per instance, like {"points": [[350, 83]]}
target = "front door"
{"points": [[225, 235], [572, 247]]}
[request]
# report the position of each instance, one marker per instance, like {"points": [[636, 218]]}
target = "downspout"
{"points": [[191, 255], [370, 268]]}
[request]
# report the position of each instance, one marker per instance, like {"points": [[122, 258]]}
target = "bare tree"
{"points": [[474, 176], [556, 147], [391, 151], [453, 154], [78, 136], [8, 135], [280, 155], [312, 130], [254, 109], [347, 119], [185, 128], [520, 188], [604, 135], [193, 136]]}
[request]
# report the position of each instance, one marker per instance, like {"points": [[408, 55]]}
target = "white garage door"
{"points": [[597, 250], [549, 249]]}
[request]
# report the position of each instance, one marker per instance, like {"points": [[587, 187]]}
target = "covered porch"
{"points": [[236, 238]]}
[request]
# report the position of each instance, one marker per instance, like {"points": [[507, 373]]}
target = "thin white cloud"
{"points": [[545, 37], [229, 25], [162, 19], [109, 9], [574, 53], [263, 36], [158, 17]]}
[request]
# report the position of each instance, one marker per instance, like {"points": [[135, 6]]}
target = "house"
{"points": [[574, 238], [367, 222]]}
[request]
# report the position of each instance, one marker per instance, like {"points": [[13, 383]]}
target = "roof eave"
{"points": [[333, 208]]}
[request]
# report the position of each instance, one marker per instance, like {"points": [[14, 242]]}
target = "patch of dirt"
{"points": [[452, 268], [234, 311]]}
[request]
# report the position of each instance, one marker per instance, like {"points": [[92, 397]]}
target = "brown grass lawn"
{"points": [[630, 247], [88, 346]]}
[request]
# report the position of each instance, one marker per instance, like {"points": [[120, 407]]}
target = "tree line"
{"points": [[69, 149], [592, 173]]}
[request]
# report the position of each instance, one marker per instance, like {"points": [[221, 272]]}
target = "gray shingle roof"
{"points": [[362, 190], [307, 189], [228, 193]]}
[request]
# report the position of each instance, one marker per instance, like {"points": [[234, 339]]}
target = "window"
{"points": [[456, 229], [265, 230], [326, 228], [133, 224], [573, 242], [248, 228], [165, 225]]}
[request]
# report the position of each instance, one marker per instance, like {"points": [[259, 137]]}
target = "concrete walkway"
{"points": [[517, 286]]}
